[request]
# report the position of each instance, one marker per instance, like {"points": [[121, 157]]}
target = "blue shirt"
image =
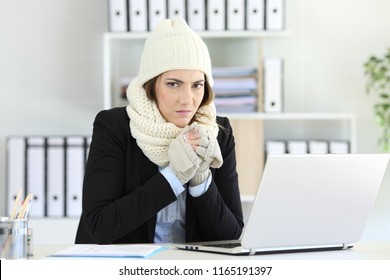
{"points": [[170, 225]]}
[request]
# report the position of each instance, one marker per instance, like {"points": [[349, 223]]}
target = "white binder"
{"points": [[117, 15], [177, 9], [75, 162], [275, 147], [196, 13], [157, 12], [138, 15], [35, 182], [235, 14], [273, 89], [55, 177], [255, 15], [297, 147], [216, 12], [16, 147], [274, 16], [318, 147], [338, 147]]}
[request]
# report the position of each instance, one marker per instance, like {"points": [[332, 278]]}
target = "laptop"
{"points": [[307, 203]]}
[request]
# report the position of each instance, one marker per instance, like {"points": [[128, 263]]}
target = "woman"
{"points": [[163, 169]]}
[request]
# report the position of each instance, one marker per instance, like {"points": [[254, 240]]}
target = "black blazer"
{"points": [[123, 190]]}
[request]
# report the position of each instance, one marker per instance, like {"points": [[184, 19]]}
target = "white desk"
{"points": [[361, 251]]}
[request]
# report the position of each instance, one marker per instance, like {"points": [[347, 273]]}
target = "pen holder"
{"points": [[13, 238]]}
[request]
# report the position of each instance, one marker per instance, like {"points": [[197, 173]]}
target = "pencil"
{"points": [[16, 204], [24, 205]]}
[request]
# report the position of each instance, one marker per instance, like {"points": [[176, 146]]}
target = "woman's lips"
{"points": [[183, 113]]}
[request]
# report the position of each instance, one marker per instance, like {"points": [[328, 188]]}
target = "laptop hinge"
{"points": [[346, 246], [252, 252]]}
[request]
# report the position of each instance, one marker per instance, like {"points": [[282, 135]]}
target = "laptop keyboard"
{"points": [[225, 245]]}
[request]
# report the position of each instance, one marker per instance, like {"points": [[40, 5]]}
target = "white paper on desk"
{"points": [[110, 251]]}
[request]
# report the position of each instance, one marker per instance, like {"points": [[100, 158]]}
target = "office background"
{"points": [[51, 70]]}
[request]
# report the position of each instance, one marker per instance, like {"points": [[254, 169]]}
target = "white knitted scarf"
{"points": [[151, 131]]}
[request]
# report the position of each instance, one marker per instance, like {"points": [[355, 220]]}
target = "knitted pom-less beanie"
{"points": [[174, 45], [171, 46]]}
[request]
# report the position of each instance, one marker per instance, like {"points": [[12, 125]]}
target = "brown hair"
{"points": [[150, 88]]}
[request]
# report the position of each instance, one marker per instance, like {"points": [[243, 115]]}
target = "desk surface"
{"points": [[361, 251]]}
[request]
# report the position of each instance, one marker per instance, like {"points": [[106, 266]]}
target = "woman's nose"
{"points": [[186, 96]]}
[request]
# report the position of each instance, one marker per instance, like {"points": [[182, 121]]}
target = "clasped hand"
{"points": [[192, 153]]}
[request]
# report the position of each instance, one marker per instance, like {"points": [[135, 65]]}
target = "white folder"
{"points": [[16, 147], [273, 88], [255, 15], [177, 9], [138, 15], [235, 13], [338, 147], [196, 13], [297, 147], [55, 177], [318, 147], [274, 15], [216, 15], [157, 12], [35, 182], [117, 15], [75, 162], [275, 147]]}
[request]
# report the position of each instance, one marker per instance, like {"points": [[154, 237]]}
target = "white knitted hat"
{"points": [[173, 45]]}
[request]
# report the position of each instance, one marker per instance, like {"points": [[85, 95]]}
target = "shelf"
{"points": [[290, 116], [203, 34], [306, 117]]}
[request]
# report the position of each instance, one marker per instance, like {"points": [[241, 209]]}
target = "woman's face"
{"points": [[179, 94]]}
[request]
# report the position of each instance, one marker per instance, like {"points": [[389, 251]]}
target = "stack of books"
{"points": [[235, 89]]}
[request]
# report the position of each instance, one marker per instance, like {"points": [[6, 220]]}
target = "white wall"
{"points": [[324, 71], [51, 69]]}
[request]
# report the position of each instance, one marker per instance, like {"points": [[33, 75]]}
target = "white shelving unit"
{"points": [[314, 118], [283, 126]]}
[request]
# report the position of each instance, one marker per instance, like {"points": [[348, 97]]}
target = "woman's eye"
{"points": [[172, 84], [198, 85]]}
